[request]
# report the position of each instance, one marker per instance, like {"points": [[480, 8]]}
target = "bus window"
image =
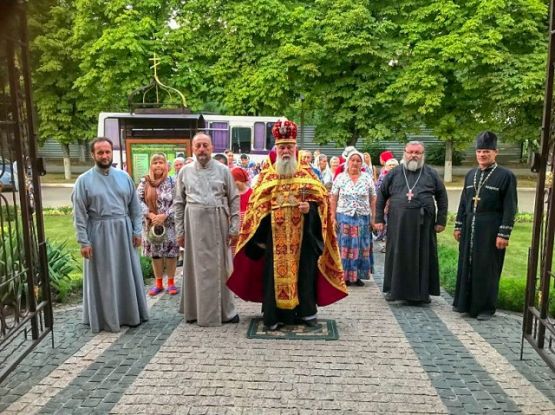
{"points": [[241, 139], [259, 136], [269, 137], [220, 135]]}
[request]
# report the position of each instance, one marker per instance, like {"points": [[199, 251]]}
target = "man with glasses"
{"points": [[411, 271]]}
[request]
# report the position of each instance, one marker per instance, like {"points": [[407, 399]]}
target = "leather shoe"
{"points": [[389, 297], [484, 316], [233, 320], [192, 321], [313, 322], [359, 283]]}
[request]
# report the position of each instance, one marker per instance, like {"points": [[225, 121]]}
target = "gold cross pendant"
{"points": [[476, 199]]}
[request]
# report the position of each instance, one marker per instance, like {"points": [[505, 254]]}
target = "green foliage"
{"points": [[146, 267], [374, 70], [61, 264], [435, 155], [12, 280]]}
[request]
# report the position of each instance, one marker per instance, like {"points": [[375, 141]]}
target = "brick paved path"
{"points": [[390, 358]]}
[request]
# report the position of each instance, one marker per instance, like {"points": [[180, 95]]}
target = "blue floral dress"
{"points": [[164, 204], [353, 219]]}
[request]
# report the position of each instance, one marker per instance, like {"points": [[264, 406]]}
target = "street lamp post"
{"points": [[301, 97]]}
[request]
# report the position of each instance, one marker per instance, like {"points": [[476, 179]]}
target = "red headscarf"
{"points": [[386, 155], [239, 174]]}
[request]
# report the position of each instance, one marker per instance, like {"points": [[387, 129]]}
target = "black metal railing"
{"points": [[539, 323], [25, 302]]}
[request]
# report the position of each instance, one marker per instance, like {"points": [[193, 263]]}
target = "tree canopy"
{"points": [[366, 69]]}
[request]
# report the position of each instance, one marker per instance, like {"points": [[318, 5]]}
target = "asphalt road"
{"points": [[61, 196]]}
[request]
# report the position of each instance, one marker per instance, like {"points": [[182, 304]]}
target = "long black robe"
{"points": [[480, 262], [411, 269], [311, 248]]}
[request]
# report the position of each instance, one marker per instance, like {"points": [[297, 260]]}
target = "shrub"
{"points": [[146, 266], [60, 265]]}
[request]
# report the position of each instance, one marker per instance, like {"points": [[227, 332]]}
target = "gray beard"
{"points": [[286, 167], [413, 165]]}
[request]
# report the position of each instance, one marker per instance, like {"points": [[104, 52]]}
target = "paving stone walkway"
{"points": [[390, 358]]}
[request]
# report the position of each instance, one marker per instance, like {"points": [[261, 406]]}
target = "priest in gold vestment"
{"points": [[287, 253]]}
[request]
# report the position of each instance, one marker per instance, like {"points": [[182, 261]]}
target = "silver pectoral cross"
{"points": [[410, 195]]}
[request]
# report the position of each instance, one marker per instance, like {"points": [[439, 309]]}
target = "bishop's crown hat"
{"points": [[284, 132], [486, 140]]}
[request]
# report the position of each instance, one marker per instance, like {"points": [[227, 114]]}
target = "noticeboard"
{"points": [[139, 151]]}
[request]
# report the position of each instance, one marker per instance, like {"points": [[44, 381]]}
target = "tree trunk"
{"points": [[448, 172], [67, 162], [82, 151]]}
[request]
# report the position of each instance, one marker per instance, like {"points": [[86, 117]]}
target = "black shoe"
{"points": [[484, 316], [192, 321], [313, 322], [180, 263], [233, 320], [348, 283], [359, 283], [389, 297]]}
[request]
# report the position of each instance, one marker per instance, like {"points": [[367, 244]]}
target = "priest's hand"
{"points": [[304, 207], [439, 228], [181, 241], [501, 243], [136, 241], [378, 227], [86, 252], [457, 235]]}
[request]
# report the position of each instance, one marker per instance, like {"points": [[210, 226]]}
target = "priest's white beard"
{"points": [[286, 167], [414, 165]]}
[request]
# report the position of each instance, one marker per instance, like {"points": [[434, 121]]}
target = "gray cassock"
{"points": [[106, 215], [206, 213]]}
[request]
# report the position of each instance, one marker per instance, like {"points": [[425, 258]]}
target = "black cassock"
{"points": [[312, 247], [480, 262], [411, 269]]}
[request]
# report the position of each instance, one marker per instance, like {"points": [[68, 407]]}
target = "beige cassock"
{"points": [[206, 213]]}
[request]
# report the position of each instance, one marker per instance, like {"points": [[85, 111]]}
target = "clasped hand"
{"points": [[158, 219]]}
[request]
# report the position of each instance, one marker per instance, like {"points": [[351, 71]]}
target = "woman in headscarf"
{"points": [[353, 204], [155, 192], [241, 178]]}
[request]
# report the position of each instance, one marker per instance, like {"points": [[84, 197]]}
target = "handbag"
{"points": [[157, 234]]}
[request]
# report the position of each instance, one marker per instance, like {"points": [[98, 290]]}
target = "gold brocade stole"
{"points": [[287, 234]]}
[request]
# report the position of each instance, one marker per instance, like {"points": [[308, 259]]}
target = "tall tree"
{"points": [[232, 52], [117, 40], [469, 65], [55, 69], [342, 55]]}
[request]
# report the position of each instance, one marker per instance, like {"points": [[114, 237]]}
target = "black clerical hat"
{"points": [[486, 140]]}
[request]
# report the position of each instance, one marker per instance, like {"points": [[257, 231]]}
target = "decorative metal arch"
{"points": [[539, 323], [25, 304]]}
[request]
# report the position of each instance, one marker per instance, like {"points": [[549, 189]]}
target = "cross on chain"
{"points": [[410, 195], [476, 199]]}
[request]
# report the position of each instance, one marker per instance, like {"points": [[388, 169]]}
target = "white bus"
{"points": [[251, 135]]}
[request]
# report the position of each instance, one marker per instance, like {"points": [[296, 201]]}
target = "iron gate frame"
{"points": [[538, 326], [26, 321]]}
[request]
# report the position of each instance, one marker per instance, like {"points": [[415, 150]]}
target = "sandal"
{"points": [[154, 291], [172, 290]]}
